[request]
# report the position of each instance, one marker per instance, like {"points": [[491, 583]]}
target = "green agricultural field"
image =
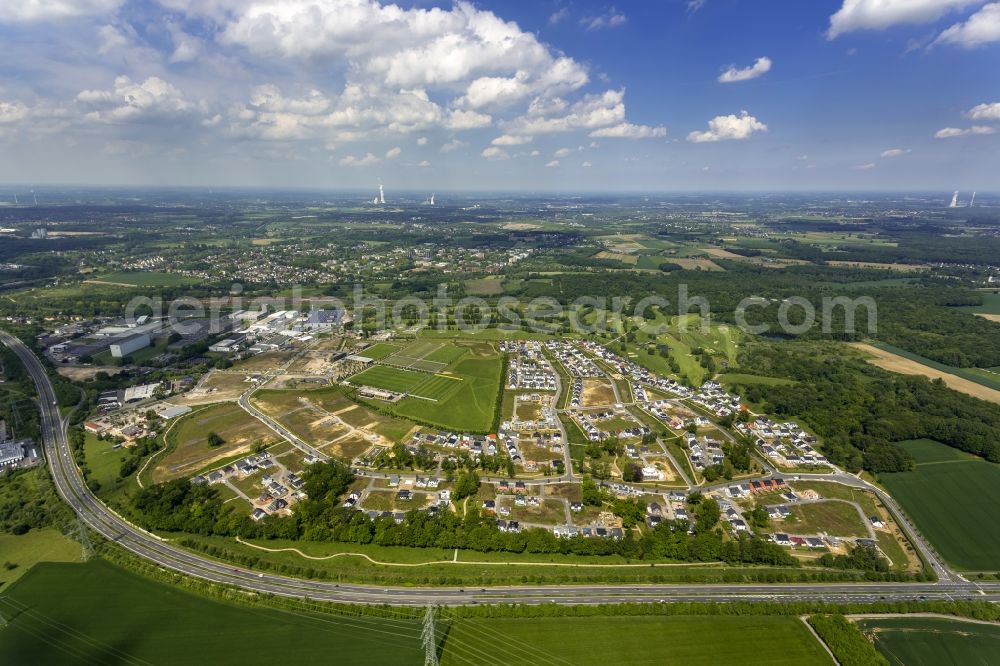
{"points": [[640, 640], [97, 613], [926, 641], [991, 304], [19, 553], [390, 378], [951, 496]]}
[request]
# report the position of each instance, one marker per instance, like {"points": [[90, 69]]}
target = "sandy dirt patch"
{"points": [[889, 361]]}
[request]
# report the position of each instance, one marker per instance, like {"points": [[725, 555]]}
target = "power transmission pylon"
{"points": [[428, 637], [80, 532]]}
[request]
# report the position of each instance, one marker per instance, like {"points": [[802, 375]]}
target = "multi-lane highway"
{"points": [[110, 525]]}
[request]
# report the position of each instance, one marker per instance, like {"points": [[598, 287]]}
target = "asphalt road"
{"points": [[95, 514]]}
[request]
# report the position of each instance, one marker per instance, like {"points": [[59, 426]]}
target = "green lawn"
{"points": [[688, 640], [98, 613], [380, 350], [951, 496], [26, 550], [924, 641], [389, 378], [103, 460], [472, 405]]}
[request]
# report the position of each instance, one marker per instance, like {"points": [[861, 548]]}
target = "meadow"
{"points": [[97, 613], [689, 640], [950, 496], [472, 405], [21, 552], [187, 440], [933, 641]]}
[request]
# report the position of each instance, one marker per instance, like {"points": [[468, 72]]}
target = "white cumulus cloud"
{"points": [[985, 112], [393, 153], [894, 152], [729, 128], [511, 140], [760, 67], [952, 132], [55, 10], [981, 28], [367, 160], [495, 153], [881, 14], [629, 131], [130, 101], [553, 164]]}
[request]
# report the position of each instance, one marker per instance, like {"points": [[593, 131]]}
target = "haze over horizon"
{"points": [[556, 96]]}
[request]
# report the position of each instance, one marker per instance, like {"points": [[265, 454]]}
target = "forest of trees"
{"points": [[861, 411]]}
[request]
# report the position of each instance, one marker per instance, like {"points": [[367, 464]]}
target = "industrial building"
{"points": [[126, 346]]}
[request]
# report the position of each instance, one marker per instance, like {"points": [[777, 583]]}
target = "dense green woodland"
{"points": [[859, 410]]}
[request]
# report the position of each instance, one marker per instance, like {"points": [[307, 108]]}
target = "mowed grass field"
{"points": [[389, 378], [931, 641], [453, 384], [97, 613], [26, 550], [688, 640], [470, 402], [187, 441], [952, 497]]}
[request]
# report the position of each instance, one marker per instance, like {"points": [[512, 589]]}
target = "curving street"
{"points": [[103, 520]]}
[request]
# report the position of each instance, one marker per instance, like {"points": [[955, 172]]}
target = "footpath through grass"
{"points": [[952, 496], [97, 613], [635, 640]]}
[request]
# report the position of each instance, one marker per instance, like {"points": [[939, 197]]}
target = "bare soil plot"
{"points": [[188, 439], [631, 259], [347, 448], [895, 363], [984, 315], [694, 264], [216, 387], [77, 374], [265, 361], [597, 392]]}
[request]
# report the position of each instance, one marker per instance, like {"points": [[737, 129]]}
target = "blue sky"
{"points": [[551, 95]]}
